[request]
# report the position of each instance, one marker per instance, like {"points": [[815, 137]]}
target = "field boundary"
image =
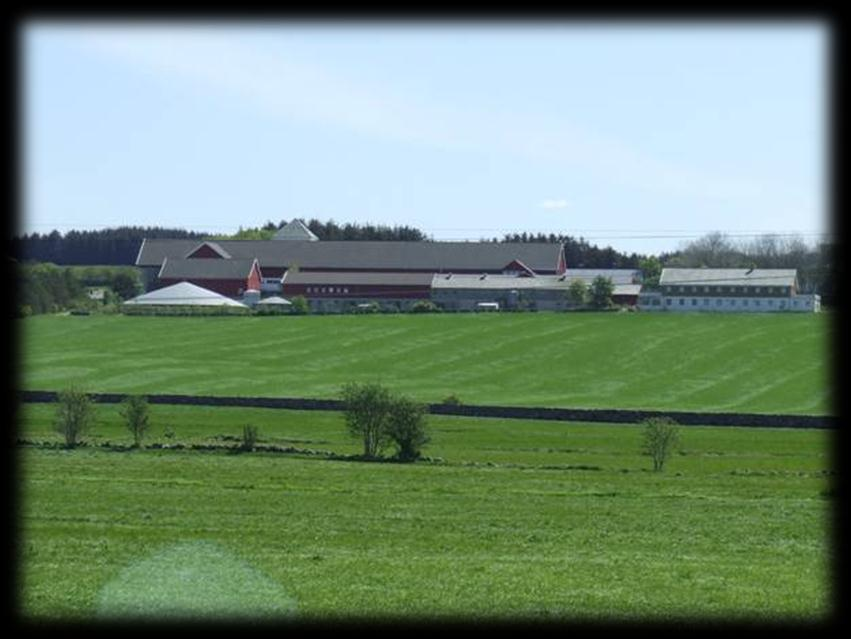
{"points": [[594, 415]]}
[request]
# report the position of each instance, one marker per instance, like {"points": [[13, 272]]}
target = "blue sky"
{"points": [[630, 135]]}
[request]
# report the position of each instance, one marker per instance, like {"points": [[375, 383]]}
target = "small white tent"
{"points": [[183, 294], [274, 300]]}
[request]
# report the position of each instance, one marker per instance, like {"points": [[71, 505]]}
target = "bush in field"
{"points": [[451, 400], [661, 436], [249, 437], [299, 305], [406, 426], [425, 306], [134, 410], [367, 407], [74, 414]]}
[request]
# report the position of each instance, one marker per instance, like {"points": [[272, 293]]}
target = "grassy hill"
{"points": [[750, 363]]}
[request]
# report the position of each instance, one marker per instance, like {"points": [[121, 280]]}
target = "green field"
{"points": [[750, 363], [509, 519]]}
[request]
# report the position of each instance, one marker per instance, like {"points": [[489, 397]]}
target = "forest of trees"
{"points": [[113, 246]]}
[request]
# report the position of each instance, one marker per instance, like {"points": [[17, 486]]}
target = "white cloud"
{"points": [[554, 204]]}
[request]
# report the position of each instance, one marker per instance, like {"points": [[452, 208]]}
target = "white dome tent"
{"points": [[183, 294]]}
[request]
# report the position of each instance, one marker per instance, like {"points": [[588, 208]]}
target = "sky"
{"points": [[631, 135]]}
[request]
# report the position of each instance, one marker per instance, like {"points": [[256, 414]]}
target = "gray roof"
{"points": [[213, 245], [295, 230], [335, 278], [183, 294], [426, 256], [617, 275], [728, 276], [205, 268], [620, 278]]}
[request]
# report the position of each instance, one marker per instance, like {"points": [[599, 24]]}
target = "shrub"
{"points": [[425, 306], [74, 414], [661, 436], [406, 427], [299, 305], [601, 292], [366, 412], [134, 410], [451, 400], [168, 433], [249, 437]]}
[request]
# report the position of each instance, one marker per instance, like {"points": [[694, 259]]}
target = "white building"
{"points": [[728, 290]]}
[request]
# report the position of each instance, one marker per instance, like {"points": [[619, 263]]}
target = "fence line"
{"points": [[609, 416]]}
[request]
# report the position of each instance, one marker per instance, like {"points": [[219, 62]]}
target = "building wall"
{"points": [[356, 291], [741, 304], [254, 279]]}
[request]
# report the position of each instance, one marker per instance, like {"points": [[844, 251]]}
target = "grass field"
{"points": [[511, 519], [750, 363]]}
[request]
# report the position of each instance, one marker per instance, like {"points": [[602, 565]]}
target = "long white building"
{"points": [[728, 290]]}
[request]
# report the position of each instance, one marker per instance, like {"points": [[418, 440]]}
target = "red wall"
{"points": [[254, 278], [376, 292]]}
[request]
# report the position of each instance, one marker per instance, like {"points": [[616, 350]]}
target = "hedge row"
{"points": [[608, 416]]}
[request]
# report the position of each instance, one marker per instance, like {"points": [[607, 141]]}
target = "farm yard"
{"points": [[745, 363], [503, 519]]}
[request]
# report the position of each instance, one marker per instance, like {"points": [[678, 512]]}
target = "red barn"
{"points": [[225, 276]]}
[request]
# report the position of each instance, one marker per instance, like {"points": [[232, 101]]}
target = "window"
{"points": [[719, 289], [756, 290], [732, 302], [694, 289], [744, 302], [706, 302], [718, 302], [705, 289], [682, 288], [682, 301], [756, 302], [771, 302], [656, 302], [693, 302], [668, 302], [345, 290]]}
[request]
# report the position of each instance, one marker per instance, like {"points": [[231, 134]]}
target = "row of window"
{"points": [[327, 289], [730, 302], [770, 290]]}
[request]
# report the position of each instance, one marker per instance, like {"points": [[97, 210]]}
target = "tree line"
{"points": [[113, 246], [48, 288], [817, 264]]}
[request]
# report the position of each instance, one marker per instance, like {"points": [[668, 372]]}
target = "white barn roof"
{"points": [[183, 294], [729, 276], [275, 299], [295, 230]]}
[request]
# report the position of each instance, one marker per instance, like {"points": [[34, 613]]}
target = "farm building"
{"points": [[336, 291], [728, 290], [296, 249], [543, 292], [229, 277], [183, 294]]}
